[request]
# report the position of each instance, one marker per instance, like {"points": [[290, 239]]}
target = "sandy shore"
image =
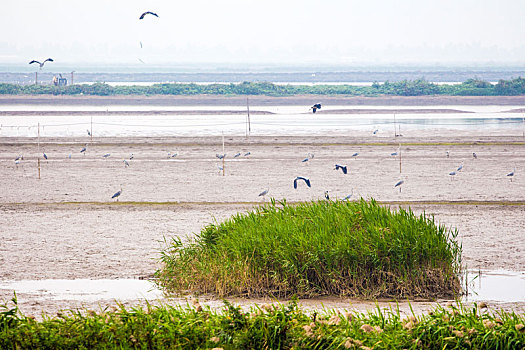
{"points": [[65, 226]]}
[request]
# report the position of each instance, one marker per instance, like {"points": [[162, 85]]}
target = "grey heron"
{"points": [[343, 168], [305, 179], [398, 184], [116, 195], [264, 193], [148, 13], [41, 64]]}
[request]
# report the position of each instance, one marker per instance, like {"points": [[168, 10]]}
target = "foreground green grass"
{"points": [[317, 248], [272, 327]]}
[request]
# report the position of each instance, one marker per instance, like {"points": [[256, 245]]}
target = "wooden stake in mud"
{"points": [[400, 161], [38, 143], [249, 122], [224, 155], [395, 128], [91, 132]]}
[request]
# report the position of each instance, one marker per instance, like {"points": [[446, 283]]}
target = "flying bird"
{"points": [[41, 64], [148, 13], [343, 168], [315, 107], [305, 179]]}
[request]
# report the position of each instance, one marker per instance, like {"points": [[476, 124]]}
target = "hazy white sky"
{"points": [[269, 31]]}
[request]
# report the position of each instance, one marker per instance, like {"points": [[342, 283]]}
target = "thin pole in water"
{"points": [[224, 155], [400, 160], [395, 128], [91, 132], [38, 143]]}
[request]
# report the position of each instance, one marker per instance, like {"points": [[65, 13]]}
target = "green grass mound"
{"points": [[355, 249], [271, 327]]}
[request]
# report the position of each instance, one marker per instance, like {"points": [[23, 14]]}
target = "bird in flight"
{"points": [[41, 64], [315, 107], [148, 13], [343, 168], [305, 179]]}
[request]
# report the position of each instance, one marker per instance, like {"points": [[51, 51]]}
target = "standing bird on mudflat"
{"points": [[116, 195], [41, 64], [511, 174]]}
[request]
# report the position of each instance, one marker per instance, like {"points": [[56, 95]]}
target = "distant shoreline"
{"points": [[260, 100]]}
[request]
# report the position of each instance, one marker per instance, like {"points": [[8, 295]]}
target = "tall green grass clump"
{"points": [[354, 249]]}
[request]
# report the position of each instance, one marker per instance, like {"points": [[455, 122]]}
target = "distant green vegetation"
{"points": [[317, 248], [420, 87], [270, 327]]}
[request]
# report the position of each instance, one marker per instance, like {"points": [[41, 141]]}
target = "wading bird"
{"points": [[375, 131], [83, 150], [448, 154], [237, 154], [305, 179], [247, 154], [106, 155], [511, 174], [116, 195], [126, 163], [45, 155], [460, 168], [355, 154], [89, 132], [148, 13], [131, 156], [452, 173], [398, 184], [315, 107], [474, 155], [343, 168], [326, 195], [264, 193], [348, 196], [41, 64], [220, 156], [393, 154]]}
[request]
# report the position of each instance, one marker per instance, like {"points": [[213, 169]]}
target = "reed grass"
{"points": [[269, 327], [355, 249]]}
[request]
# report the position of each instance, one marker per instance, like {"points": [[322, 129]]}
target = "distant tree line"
{"points": [[419, 87]]}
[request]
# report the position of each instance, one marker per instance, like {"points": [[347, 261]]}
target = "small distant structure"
{"points": [[59, 81]]}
